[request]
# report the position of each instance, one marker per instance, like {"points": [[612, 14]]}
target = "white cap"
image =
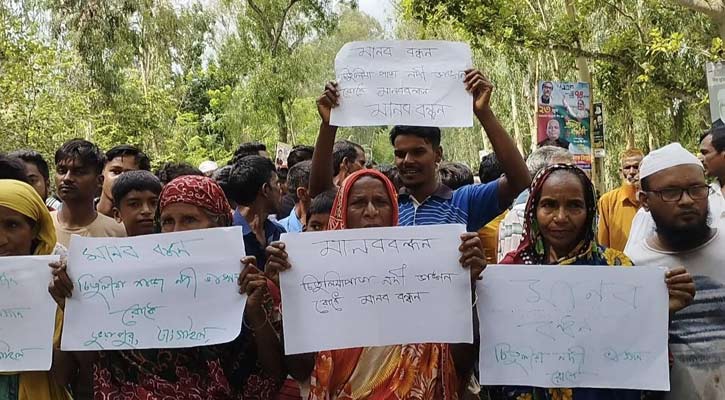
{"points": [[669, 156], [208, 166]]}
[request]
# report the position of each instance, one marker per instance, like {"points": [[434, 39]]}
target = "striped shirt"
{"points": [[470, 205]]}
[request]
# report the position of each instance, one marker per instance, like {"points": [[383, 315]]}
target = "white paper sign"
{"points": [[375, 287], [156, 291], [27, 314], [403, 82], [574, 326]]}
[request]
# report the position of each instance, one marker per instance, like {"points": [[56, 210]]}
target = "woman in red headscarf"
{"points": [[250, 367], [367, 199]]}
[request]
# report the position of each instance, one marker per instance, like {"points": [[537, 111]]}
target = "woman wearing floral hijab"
{"points": [[560, 229]]}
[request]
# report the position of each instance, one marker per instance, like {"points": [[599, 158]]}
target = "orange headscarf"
{"points": [[381, 373], [338, 215]]}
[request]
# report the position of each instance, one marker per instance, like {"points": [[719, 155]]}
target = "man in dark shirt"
{"points": [[253, 186]]}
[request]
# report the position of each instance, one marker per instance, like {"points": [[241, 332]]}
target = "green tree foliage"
{"points": [[646, 59], [188, 82]]}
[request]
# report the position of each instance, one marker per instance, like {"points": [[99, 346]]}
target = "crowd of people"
{"points": [[539, 211]]}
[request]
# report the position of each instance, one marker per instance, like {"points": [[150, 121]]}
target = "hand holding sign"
{"points": [[418, 83], [377, 287], [159, 291]]}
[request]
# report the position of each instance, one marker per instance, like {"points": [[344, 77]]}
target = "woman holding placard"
{"points": [[26, 228], [367, 199], [250, 367], [560, 229]]}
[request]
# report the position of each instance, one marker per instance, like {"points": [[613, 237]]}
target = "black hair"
{"points": [[299, 176], [247, 149], [247, 178], [718, 138], [35, 158], [455, 175], [81, 150], [644, 184], [282, 174], [490, 169], [341, 150], [392, 173], [322, 203], [430, 134], [221, 176], [12, 168], [140, 180], [298, 154], [143, 161], [171, 170]]}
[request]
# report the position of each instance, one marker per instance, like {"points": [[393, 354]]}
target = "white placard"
{"points": [[375, 287], [156, 291], [574, 326], [27, 314], [403, 82]]}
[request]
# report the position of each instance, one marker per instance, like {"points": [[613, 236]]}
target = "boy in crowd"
{"points": [[319, 213], [298, 182], [135, 197], [119, 160], [78, 176]]}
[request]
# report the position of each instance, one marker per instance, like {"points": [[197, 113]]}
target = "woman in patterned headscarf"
{"points": [[250, 367], [368, 199], [560, 229]]}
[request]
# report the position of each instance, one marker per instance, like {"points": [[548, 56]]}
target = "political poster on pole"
{"points": [[598, 130], [564, 120], [283, 150], [716, 88]]}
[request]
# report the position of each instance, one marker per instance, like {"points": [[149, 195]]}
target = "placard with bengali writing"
{"points": [[27, 314], [156, 291], [574, 326], [375, 287], [418, 83]]}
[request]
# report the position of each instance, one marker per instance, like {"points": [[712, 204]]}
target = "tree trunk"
{"points": [[515, 120], [282, 120]]}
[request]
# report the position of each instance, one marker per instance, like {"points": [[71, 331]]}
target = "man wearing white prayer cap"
{"points": [[675, 192], [208, 167]]}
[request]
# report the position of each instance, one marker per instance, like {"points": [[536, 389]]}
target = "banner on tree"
{"points": [[564, 120]]}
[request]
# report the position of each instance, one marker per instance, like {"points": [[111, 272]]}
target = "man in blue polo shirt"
{"points": [[253, 186], [424, 200]]}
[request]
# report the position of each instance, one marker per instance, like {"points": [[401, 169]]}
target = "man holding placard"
{"points": [[424, 200]]}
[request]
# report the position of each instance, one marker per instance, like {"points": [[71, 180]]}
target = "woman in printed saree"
{"points": [[560, 229], [26, 228], [249, 367], [413, 371]]}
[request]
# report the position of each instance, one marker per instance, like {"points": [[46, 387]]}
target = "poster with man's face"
{"points": [[283, 150], [563, 119]]}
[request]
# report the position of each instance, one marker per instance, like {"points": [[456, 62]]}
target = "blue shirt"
{"points": [[292, 224], [471, 205], [252, 247]]}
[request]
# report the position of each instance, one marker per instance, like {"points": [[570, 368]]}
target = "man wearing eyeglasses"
{"points": [[675, 192]]}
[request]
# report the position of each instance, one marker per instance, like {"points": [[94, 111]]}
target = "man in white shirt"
{"points": [[714, 161], [675, 193]]}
